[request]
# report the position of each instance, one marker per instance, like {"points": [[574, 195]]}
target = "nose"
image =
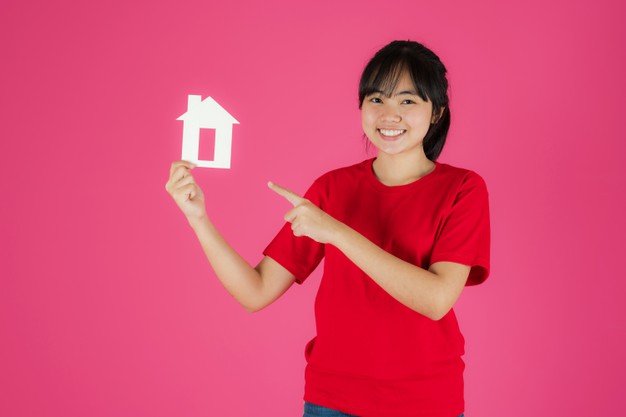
{"points": [[390, 114]]}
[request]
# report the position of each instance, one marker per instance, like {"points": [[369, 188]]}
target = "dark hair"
{"points": [[428, 73]]}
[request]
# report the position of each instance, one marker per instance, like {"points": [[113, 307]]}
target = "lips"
{"points": [[391, 134]]}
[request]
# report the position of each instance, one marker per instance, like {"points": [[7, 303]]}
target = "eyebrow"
{"points": [[400, 93], [407, 92]]}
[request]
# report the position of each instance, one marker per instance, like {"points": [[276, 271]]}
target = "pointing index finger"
{"points": [[292, 197]]}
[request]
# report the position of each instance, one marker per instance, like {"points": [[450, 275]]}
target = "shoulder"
{"points": [[460, 178]]}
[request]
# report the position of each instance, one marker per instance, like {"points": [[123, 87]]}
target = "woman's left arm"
{"points": [[430, 292]]}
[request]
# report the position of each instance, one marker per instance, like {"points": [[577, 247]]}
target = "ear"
{"points": [[435, 118]]}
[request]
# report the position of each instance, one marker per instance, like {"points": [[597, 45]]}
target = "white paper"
{"points": [[207, 114]]}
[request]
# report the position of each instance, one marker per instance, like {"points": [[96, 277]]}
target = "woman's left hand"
{"points": [[307, 219]]}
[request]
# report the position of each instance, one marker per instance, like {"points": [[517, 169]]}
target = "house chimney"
{"points": [[193, 101]]}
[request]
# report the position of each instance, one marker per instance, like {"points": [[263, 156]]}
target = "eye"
{"points": [[375, 100], [408, 101]]}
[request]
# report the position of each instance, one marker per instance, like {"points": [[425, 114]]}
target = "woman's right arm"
{"points": [[253, 288]]}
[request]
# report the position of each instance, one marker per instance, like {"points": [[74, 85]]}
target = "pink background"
{"points": [[107, 305]]}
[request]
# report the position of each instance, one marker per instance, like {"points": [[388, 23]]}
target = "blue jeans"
{"points": [[312, 410]]}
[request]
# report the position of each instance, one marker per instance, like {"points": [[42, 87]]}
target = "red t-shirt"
{"points": [[372, 355]]}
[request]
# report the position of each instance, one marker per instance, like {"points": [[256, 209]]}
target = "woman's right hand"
{"points": [[184, 190], [253, 288]]}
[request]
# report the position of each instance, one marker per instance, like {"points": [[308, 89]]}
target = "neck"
{"points": [[401, 169]]}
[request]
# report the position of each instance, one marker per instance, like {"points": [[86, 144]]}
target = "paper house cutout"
{"points": [[207, 114]]}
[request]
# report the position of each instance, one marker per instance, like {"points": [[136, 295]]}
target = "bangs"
{"points": [[385, 76]]}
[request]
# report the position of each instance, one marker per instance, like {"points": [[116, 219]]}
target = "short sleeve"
{"points": [[300, 255], [465, 233]]}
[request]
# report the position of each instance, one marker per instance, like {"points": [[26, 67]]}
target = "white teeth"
{"points": [[391, 132]]}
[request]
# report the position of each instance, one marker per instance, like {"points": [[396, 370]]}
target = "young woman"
{"points": [[401, 234]]}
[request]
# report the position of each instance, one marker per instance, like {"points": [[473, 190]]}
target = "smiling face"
{"points": [[398, 123]]}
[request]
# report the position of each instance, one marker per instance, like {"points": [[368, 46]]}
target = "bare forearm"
{"points": [[417, 288], [239, 278], [429, 292]]}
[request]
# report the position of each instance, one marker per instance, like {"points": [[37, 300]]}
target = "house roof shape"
{"points": [[207, 113]]}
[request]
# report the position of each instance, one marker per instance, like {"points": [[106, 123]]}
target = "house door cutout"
{"points": [[206, 151]]}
